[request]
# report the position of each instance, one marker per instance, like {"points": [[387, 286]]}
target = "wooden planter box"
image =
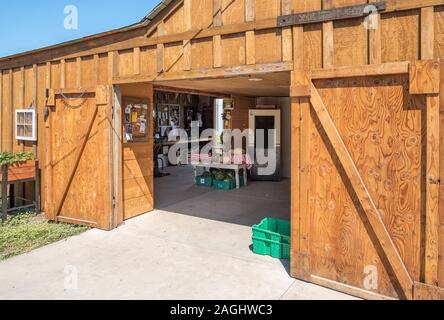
{"points": [[22, 172], [19, 173]]}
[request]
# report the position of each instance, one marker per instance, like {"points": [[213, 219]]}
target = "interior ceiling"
{"points": [[272, 85]]}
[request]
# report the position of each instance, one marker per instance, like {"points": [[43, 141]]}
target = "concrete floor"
{"points": [[195, 246]]}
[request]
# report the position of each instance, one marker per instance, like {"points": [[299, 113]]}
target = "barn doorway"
{"points": [[237, 103], [152, 182]]}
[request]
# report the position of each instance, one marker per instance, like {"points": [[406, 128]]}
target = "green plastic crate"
{"points": [[272, 237], [228, 185], [204, 181], [224, 185]]}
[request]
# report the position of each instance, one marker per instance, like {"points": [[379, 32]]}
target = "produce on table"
{"points": [[223, 174]]}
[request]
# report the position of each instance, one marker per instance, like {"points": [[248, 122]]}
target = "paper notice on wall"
{"points": [[134, 117], [142, 128]]}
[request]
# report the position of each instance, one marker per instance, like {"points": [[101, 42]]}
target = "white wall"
{"points": [[285, 106]]}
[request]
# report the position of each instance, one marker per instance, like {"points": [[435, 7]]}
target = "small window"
{"points": [[25, 125]]}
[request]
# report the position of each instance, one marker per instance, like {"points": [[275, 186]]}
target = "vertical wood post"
{"points": [[49, 198], [113, 65], [441, 185], [427, 33], [4, 192], [300, 263], [37, 188], [160, 49], [217, 51], [304, 192], [250, 47], [250, 37], [21, 104], [287, 34], [217, 13], [136, 60], [62, 73], [375, 49], [78, 72], [300, 108], [11, 111], [187, 14], [327, 44], [217, 39], [424, 79], [327, 39], [117, 156], [432, 192], [21, 97], [35, 98], [287, 7], [250, 14], [96, 69], [298, 47], [292, 47], [187, 42], [35, 85], [295, 184], [187, 55]]}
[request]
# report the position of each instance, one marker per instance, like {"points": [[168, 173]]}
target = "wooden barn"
{"points": [[363, 81]]}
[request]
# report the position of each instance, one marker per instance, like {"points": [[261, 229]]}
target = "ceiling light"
{"points": [[255, 79]]}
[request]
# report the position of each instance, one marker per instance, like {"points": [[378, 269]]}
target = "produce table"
{"points": [[235, 167]]}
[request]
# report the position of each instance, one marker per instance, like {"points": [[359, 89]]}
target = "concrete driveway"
{"points": [[161, 255]]}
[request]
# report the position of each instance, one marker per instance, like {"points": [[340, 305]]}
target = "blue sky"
{"points": [[31, 24]]}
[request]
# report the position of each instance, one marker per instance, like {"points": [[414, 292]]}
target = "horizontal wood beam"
{"points": [[203, 74], [101, 93], [87, 223], [391, 68], [75, 90], [341, 13], [399, 5], [189, 91], [353, 291]]}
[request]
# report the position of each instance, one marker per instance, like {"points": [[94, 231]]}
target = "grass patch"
{"points": [[26, 231]]}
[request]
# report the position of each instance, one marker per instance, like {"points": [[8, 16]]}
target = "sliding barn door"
{"points": [[367, 204], [79, 156]]}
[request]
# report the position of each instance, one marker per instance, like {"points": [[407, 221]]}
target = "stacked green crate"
{"points": [[205, 180], [272, 237]]}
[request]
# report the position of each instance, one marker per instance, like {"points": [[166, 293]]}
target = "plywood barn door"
{"points": [[138, 163], [79, 156], [366, 185]]}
